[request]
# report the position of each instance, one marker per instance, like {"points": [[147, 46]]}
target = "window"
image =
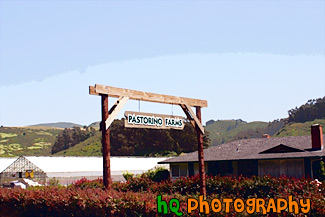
{"points": [[196, 168], [179, 170], [175, 170], [226, 168], [183, 170]]}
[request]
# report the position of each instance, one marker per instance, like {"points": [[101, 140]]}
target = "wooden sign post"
{"points": [[123, 95], [106, 145]]}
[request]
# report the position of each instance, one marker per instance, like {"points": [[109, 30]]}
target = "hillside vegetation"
{"points": [[58, 125], [139, 142], [313, 109], [222, 131], [298, 123], [299, 129], [44, 139], [90, 147], [16, 141], [70, 137]]}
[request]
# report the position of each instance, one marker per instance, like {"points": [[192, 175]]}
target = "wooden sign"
{"points": [[153, 121], [142, 120]]}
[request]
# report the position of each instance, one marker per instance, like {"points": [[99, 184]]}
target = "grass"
{"points": [[39, 145], [223, 131], [299, 129], [42, 144], [27, 141], [42, 128], [10, 149], [3, 147], [44, 133], [7, 135], [15, 147], [90, 147], [34, 147]]}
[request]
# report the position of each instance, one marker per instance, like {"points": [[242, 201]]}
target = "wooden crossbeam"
{"points": [[92, 90], [188, 115], [115, 109], [192, 117], [145, 96]]}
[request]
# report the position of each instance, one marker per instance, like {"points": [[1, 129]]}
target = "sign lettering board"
{"points": [[153, 121]]}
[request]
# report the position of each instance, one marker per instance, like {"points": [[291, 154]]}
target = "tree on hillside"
{"points": [[313, 109], [136, 142], [70, 137], [274, 126], [152, 142]]}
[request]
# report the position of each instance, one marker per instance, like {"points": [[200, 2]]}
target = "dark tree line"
{"points": [[136, 142], [69, 137], [313, 109], [152, 142]]}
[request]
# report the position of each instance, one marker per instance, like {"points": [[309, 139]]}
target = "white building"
{"points": [[69, 169]]}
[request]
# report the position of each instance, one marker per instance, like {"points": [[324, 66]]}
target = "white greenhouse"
{"points": [[69, 169]]}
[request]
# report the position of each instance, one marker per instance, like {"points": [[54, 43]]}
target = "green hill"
{"points": [[58, 125], [222, 131], [36, 141], [299, 129], [95, 125], [90, 147], [39, 139]]}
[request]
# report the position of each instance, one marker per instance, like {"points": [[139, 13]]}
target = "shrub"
{"points": [[319, 169], [86, 184], [157, 174], [137, 197], [54, 182], [127, 176], [161, 175]]}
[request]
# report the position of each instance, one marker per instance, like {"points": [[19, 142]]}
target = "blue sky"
{"points": [[252, 60]]}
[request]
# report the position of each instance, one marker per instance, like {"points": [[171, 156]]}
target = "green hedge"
{"points": [[138, 196]]}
